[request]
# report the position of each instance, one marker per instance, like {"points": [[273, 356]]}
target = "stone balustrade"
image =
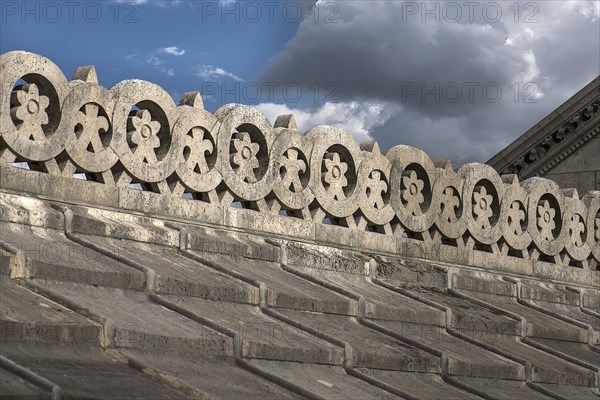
{"points": [[133, 134]]}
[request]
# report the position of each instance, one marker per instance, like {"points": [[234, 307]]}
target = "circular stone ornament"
{"points": [[447, 190], [258, 130], [291, 154], [489, 182], [514, 206], [412, 165], [50, 83], [152, 99], [374, 176], [345, 151], [545, 191], [592, 201], [577, 230], [97, 104], [197, 130]]}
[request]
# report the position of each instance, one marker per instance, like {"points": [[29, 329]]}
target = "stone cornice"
{"points": [[569, 147], [554, 138], [233, 168]]}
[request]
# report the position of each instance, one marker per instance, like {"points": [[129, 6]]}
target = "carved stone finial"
{"points": [[510, 179], [192, 99], [571, 193], [286, 121], [86, 73], [370, 146], [444, 164]]}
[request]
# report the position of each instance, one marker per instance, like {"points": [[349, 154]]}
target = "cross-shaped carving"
{"points": [[375, 189], [93, 124], [449, 203], [199, 149], [576, 227], [515, 216], [293, 166]]}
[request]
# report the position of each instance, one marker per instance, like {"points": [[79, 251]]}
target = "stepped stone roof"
{"points": [[155, 251]]}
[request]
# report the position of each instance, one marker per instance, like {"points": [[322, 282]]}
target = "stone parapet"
{"points": [[132, 148]]}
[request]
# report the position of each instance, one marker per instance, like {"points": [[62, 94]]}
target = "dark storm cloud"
{"points": [[463, 87]]}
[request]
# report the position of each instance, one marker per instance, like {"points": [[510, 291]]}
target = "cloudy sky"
{"points": [[458, 79]]}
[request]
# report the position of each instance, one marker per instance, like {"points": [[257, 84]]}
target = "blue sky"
{"points": [[128, 39], [424, 74]]}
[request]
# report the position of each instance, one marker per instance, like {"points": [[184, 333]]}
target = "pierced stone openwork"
{"points": [[245, 157], [198, 148], [92, 128], [450, 204], [516, 218], [29, 111], [334, 177], [482, 207], [412, 192], [134, 133], [142, 135], [545, 220], [292, 169], [577, 230], [376, 188]]}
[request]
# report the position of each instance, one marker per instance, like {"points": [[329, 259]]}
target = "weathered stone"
{"points": [[292, 184], [163, 228]]}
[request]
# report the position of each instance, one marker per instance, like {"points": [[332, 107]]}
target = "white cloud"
{"points": [[173, 50], [213, 72], [590, 9], [357, 118], [153, 60]]}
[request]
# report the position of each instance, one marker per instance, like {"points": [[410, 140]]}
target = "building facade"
{"points": [[564, 146]]}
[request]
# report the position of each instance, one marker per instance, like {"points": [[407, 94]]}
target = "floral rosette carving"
{"points": [[411, 187], [412, 193], [482, 196], [545, 220], [294, 167], [592, 203], [245, 157], [334, 163], [545, 209], [30, 110], [245, 138], [143, 137], [335, 176]]}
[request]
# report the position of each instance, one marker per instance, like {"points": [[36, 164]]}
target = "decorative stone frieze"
{"points": [[134, 133]]}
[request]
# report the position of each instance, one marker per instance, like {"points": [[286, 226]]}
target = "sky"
{"points": [[459, 79]]}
